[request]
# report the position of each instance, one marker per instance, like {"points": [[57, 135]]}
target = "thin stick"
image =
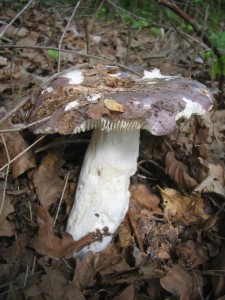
{"points": [[30, 210], [6, 177], [15, 18], [200, 33], [64, 32], [20, 127], [62, 196], [66, 263], [21, 153], [103, 59], [26, 276], [33, 265]]}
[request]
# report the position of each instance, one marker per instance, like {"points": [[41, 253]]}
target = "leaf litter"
{"points": [[172, 243]]}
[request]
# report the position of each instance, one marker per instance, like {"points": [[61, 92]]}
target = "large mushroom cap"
{"points": [[106, 98]]}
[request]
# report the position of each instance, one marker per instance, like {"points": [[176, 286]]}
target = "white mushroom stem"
{"points": [[102, 195]]}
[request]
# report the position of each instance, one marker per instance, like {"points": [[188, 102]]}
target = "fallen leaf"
{"points": [[210, 184], [84, 272], [113, 105], [180, 283], [47, 243], [54, 285], [143, 196], [6, 226], [179, 172], [15, 145], [11, 253], [46, 179], [125, 237], [192, 254], [218, 264], [188, 209], [127, 293], [3, 61], [97, 111]]}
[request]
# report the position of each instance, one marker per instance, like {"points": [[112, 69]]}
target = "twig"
{"points": [[15, 109], [62, 196], [182, 34], [33, 264], [26, 276], [103, 59], [203, 30], [15, 18], [20, 127], [200, 33], [130, 33], [30, 210], [21, 153], [6, 177], [87, 36], [64, 32]]}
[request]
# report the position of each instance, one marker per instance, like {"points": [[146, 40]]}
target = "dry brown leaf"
{"points": [[6, 227], [143, 196], [15, 145], [11, 253], [84, 272], [98, 110], [47, 243], [188, 209], [46, 180], [127, 293], [179, 172], [182, 284], [218, 264], [125, 237], [54, 285], [113, 105], [192, 254], [109, 265], [210, 184]]}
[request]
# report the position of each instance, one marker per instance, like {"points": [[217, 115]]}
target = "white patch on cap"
{"points": [[190, 109], [72, 105], [93, 98], [75, 77], [47, 90], [118, 74], [154, 74]]}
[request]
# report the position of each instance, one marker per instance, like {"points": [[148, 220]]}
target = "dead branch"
{"points": [[20, 127], [200, 33], [101, 58]]}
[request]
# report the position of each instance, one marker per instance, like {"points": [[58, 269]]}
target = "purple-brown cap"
{"points": [[103, 97]]}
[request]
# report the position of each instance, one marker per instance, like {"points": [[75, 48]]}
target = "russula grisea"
{"points": [[116, 105]]}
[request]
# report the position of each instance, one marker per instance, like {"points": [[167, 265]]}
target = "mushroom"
{"points": [[116, 106]]}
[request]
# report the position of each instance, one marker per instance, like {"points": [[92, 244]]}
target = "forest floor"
{"points": [[171, 243]]}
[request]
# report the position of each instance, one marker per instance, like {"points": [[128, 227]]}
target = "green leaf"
{"points": [[155, 30], [218, 67], [218, 39], [208, 54], [187, 27], [53, 54], [139, 24]]}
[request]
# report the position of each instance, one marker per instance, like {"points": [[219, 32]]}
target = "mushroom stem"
{"points": [[102, 195]]}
